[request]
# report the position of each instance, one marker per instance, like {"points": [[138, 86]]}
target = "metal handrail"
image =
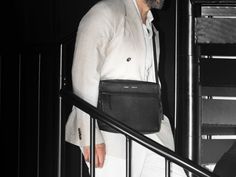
{"points": [[171, 156]]}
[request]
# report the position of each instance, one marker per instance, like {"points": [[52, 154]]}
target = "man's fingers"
{"points": [[96, 161], [100, 153], [86, 153]]}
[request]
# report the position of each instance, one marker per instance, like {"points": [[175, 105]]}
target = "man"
{"points": [[114, 41]]}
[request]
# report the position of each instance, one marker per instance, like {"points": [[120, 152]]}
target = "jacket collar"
{"points": [[135, 23]]}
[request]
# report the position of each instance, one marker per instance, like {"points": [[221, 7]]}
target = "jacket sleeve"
{"points": [[90, 49]]}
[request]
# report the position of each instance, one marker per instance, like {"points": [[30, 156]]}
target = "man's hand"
{"points": [[100, 152]]}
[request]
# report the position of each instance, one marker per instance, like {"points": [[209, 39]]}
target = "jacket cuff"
{"points": [[98, 135]]}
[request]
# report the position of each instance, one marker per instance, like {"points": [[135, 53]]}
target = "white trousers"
{"points": [[145, 163]]}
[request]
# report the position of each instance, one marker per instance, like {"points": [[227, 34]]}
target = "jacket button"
{"points": [[80, 136], [128, 59]]}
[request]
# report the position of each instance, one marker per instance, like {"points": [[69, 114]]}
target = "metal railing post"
{"points": [[81, 164], [92, 147], [59, 155], [128, 156], [167, 168], [39, 112]]}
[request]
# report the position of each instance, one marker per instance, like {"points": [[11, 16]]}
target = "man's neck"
{"points": [[143, 9]]}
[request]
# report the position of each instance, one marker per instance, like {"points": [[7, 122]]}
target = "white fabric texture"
{"points": [[148, 34], [110, 44]]}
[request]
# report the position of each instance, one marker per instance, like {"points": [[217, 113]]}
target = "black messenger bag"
{"points": [[134, 103]]}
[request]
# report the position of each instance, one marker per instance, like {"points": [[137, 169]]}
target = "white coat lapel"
{"points": [[136, 28]]}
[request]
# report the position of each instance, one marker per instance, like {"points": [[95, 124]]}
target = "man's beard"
{"points": [[154, 4]]}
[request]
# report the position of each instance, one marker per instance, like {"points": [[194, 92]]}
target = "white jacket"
{"points": [[110, 44]]}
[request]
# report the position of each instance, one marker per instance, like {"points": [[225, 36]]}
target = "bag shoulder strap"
{"points": [[154, 52]]}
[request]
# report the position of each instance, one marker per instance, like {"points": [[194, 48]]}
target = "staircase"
{"points": [[215, 35]]}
